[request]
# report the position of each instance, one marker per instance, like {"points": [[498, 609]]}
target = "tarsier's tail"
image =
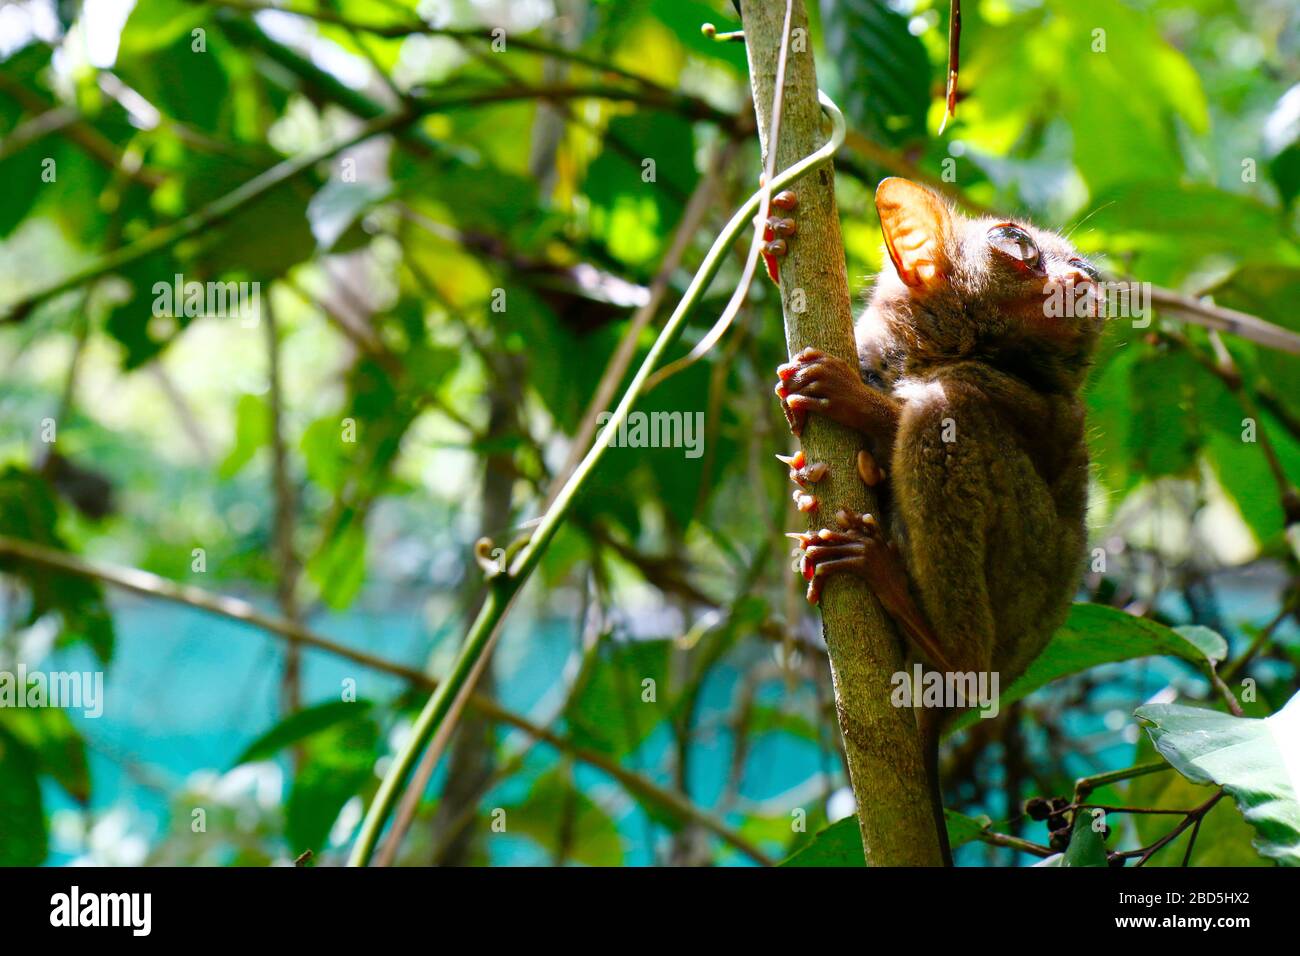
{"points": [[930, 724]]}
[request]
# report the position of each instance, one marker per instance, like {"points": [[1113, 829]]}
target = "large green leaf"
{"points": [[338, 765], [1256, 761], [1094, 634], [609, 712], [24, 838], [48, 733], [885, 73]]}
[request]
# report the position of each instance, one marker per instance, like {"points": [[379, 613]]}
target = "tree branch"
{"points": [[886, 765]]}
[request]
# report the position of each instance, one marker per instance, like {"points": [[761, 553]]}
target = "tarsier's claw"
{"points": [[801, 473]]}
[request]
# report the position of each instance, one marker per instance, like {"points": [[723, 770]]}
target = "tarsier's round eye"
{"points": [[1087, 268], [1016, 243]]}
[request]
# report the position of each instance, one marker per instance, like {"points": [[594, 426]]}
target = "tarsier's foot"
{"points": [[816, 382], [805, 476], [777, 231], [858, 546]]}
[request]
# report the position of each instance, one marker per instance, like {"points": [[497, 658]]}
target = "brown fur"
{"points": [[991, 524]]}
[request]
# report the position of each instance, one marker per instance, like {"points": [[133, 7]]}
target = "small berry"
{"points": [[1037, 808]]}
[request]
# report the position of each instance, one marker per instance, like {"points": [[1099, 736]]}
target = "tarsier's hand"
{"points": [[816, 382]]}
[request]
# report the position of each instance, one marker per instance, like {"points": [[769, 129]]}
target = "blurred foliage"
{"points": [[446, 300]]}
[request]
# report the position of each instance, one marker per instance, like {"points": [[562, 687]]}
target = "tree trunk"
{"points": [[886, 765]]}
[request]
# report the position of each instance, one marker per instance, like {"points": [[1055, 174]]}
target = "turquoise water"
{"points": [[187, 692]]}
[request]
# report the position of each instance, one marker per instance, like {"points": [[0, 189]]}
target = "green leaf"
{"points": [[884, 70], [50, 736], [608, 713], [1257, 762], [339, 567], [1224, 838], [1094, 634], [338, 765], [1086, 847], [564, 821], [28, 511], [1210, 643], [301, 725], [963, 829], [336, 208], [24, 838], [840, 844], [252, 431]]}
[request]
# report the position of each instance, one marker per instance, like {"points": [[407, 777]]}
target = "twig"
{"points": [[741, 290], [954, 48], [1234, 667], [1227, 320], [1015, 843], [1193, 817], [287, 571], [80, 132], [1085, 785]]}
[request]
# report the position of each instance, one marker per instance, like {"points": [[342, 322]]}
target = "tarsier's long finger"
{"points": [[824, 536], [794, 419], [816, 582], [803, 404]]}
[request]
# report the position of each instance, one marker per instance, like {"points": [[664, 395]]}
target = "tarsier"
{"points": [[967, 393]]}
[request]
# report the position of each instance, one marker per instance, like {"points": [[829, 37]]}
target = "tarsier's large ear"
{"points": [[915, 222]]}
